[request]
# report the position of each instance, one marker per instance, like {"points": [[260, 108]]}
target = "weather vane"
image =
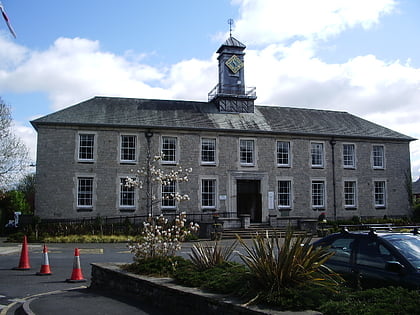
{"points": [[230, 22]]}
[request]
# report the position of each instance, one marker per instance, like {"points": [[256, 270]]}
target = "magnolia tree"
{"points": [[151, 175], [160, 238]]}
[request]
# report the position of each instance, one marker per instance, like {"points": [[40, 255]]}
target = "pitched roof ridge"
{"points": [[303, 108]]}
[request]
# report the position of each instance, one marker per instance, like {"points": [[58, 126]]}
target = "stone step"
{"points": [[252, 232]]}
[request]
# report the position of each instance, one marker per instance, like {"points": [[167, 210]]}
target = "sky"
{"points": [[358, 56]]}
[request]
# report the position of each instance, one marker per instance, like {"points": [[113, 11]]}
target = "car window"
{"points": [[408, 247], [372, 253], [342, 248]]}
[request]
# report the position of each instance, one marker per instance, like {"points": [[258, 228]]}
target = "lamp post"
{"points": [[149, 206], [333, 142]]}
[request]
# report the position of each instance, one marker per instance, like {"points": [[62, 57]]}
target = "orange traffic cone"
{"points": [[45, 267], [24, 256], [76, 275]]}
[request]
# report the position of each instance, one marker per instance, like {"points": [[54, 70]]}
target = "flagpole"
{"points": [[6, 19]]}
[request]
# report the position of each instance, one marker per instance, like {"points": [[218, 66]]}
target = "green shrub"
{"points": [[295, 262], [162, 266], [205, 255], [382, 301], [299, 298], [416, 211], [227, 277], [236, 279]]}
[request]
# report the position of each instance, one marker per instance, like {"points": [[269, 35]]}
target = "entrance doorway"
{"points": [[249, 199]]}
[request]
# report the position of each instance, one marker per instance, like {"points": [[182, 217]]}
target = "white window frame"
{"points": [[79, 146], [79, 192], [377, 193], [212, 206], [134, 160], [322, 194], [289, 155], [247, 152], [351, 154], [381, 157], [166, 204], [214, 162], [346, 193], [175, 150], [319, 153], [128, 190], [289, 193]]}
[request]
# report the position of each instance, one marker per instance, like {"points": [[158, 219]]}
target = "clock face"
{"points": [[234, 64]]}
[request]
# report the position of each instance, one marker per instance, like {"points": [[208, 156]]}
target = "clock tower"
{"points": [[230, 94]]}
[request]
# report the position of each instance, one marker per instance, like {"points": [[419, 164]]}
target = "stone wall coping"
{"points": [[163, 293]]}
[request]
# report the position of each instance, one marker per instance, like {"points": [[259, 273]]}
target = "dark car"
{"points": [[373, 259]]}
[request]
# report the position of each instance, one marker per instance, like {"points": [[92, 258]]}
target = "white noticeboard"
{"points": [[271, 200]]}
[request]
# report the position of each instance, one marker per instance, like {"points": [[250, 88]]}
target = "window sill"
{"points": [[84, 209], [284, 166], [318, 209], [127, 209], [209, 209], [284, 208], [168, 162], [349, 167], [166, 210], [208, 164], [86, 162], [128, 162], [380, 207], [247, 165], [350, 208], [317, 166]]}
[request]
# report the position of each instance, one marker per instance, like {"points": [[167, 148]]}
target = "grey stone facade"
{"points": [[259, 165], [58, 168]]}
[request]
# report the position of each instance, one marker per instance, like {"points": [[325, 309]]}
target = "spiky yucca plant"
{"points": [[275, 265], [205, 255]]}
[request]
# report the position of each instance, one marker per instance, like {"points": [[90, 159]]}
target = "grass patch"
{"points": [[18, 237], [87, 239]]}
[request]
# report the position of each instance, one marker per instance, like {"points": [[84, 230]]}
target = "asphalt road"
{"points": [[52, 294]]}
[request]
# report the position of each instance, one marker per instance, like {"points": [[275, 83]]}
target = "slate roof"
{"points": [[231, 42], [191, 115]]}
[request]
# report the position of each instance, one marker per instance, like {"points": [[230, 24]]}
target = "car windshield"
{"points": [[409, 247]]}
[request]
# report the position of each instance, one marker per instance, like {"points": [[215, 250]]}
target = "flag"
{"points": [[3, 12]]}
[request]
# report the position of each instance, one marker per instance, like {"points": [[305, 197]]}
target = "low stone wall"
{"points": [[169, 297]]}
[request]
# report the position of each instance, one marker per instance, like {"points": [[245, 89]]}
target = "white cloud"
{"points": [[28, 136], [75, 69], [268, 21], [11, 55], [192, 79]]}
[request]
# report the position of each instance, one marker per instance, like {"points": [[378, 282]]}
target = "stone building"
{"points": [[250, 162]]}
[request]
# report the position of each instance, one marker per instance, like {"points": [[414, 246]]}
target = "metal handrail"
{"points": [[231, 90]]}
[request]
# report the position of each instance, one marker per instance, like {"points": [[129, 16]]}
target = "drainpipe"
{"points": [[333, 143], [149, 206]]}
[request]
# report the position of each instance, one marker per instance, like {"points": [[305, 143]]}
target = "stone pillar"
{"points": [[245, 220]]}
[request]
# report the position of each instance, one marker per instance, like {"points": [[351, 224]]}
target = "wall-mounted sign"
{"points": [[222, 197], [271, 200]]}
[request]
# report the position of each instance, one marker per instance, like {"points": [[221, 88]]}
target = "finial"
{"points": [[230, 22]]}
